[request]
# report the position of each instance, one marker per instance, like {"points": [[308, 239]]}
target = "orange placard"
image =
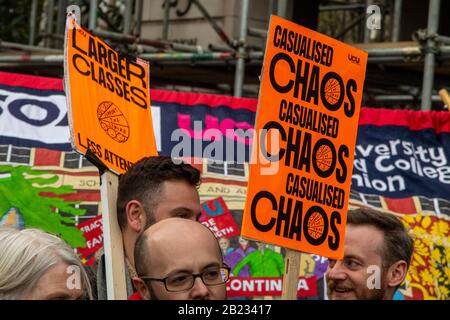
{"points": [[305, 135], [108, 100]]}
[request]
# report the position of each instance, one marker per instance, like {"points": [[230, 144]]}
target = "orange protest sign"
{"points": [[305, 135], [108, 100]]}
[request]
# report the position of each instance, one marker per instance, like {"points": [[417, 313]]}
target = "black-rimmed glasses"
{"points": [[185, 281]]}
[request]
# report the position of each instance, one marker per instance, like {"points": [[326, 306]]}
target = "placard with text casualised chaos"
{"points": [[305, 135], [108, 101]]}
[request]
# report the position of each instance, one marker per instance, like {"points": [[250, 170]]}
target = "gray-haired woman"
{"points": [[35, 265]]}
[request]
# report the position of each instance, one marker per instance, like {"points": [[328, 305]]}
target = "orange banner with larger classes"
{"points": [[305, 135], [108, 100]]}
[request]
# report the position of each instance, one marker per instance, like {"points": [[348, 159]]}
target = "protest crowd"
{"points": [[319, 179]]}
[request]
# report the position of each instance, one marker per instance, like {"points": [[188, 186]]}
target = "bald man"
{"points": [[179, 259]]}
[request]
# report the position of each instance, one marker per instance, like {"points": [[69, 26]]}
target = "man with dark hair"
{"points": [[377, 254], [179, 259], [153, 189]]}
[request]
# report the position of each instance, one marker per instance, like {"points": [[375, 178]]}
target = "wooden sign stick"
{"points": [[112, 239], [291, 272]]}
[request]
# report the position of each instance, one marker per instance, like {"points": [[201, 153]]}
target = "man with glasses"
{"points": [[179, 259]]}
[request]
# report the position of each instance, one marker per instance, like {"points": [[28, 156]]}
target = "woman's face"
{"points": [[243, 242], [60, 282], [224, 243]]}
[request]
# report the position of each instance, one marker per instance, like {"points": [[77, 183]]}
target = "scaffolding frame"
{"points": [[428, 46]]}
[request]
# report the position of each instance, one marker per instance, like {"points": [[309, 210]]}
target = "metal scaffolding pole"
{"points": [[218, 47], [366, 30], [271, 8], [187, 48], [24, 47], [49, 27], [168, 56], [140, 48], [376, 55], [240, 65], [430, 51], [443, 39], [139, 12], [41, 58], [131, 39], [185, 56], [382, 31], [261, 33], [61, 18], [282, 8], [411, 54], [128, 16], [396, 20], [389, 52], [165, 31], [33, 22], [93, 15]]}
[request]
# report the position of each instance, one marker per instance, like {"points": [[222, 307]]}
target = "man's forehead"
{"points": [[168, 184], [174, 233], [174, 254], [178, 192], [362, 240]]}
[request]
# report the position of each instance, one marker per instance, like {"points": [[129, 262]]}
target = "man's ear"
{"points": [[142, 288], [397, 273], [136, 217]]}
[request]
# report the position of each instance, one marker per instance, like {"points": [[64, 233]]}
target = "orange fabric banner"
{"points": [[108, 100], [305, 135]]}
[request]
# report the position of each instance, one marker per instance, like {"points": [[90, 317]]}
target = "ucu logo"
{"points": [[353, 58]]}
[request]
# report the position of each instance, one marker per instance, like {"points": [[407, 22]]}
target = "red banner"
{"points": [[217, 217], [93, 233]]}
